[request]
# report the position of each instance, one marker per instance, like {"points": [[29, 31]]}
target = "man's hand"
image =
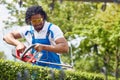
{"points": [[20, 47], [38, 47]]}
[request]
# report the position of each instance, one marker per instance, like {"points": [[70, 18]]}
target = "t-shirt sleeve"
{"points": [[57, 32], [22, 31]]}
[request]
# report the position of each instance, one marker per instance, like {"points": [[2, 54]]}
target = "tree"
{"points": [[2, 55]]}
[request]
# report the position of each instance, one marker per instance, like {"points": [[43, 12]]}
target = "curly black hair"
{"points": [[36, 9]]}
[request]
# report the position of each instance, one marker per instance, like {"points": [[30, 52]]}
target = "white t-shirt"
{"points": [[42, 33]]}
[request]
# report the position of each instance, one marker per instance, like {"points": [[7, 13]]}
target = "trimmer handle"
{"points": [[30, 47]]}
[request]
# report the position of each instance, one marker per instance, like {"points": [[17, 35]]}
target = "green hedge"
{"points": [[10, 70]]}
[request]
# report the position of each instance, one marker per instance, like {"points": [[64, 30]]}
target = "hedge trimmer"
{"points": [[26, 56]]}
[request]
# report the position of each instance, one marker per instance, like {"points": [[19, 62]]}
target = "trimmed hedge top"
{"points": [[11, 70]]}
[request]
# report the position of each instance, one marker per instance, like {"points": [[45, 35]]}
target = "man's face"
{"points": [[37, 21]]}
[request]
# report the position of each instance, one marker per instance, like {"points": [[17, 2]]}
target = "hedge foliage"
{"points": [[10, 70]]}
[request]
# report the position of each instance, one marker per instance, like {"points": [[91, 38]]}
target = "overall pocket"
{"points": [[44, 55]]}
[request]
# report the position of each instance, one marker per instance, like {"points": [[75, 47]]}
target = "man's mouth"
{"points": [[38, 27]]}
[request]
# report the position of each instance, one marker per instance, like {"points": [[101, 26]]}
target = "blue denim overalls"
{"points": [[46, 55]]}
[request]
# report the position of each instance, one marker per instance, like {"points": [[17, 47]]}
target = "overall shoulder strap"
{"points": [[49, 26], [31, 31], [49, 31]]}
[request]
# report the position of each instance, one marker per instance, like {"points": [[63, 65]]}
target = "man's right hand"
{"points": [[20, 47]]}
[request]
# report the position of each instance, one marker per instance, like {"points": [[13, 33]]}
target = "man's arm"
{"points": [[11, 38], [60, 47]]}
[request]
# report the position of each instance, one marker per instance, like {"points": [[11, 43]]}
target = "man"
{"points": [[48, 37]]}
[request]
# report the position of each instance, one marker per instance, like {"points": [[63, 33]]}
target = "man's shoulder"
{"points": [[54, 27]]}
